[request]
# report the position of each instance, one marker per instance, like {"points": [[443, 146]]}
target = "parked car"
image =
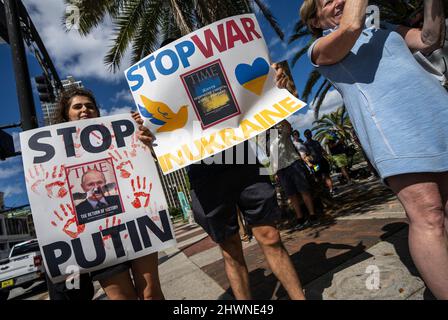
{"points": [[22, 268]]}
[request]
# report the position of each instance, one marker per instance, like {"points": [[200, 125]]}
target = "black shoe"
{"points": [[301, 226], [314, 221]]}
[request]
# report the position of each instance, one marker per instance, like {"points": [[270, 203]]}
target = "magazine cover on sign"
{"points": [[94, 190], [210, 93]]}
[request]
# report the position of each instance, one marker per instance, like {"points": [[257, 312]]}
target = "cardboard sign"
{"points": [[95, 194], [209, 91]]}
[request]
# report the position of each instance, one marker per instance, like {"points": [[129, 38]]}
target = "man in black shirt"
{"points": [[318, 158]]}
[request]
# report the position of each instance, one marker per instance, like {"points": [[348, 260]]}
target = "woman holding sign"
{"points": [[80, 104], [399, 113]]}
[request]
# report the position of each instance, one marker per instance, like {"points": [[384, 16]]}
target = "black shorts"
{"points": [[293, 179], [108, 272], [216, 198], [324, 167]]}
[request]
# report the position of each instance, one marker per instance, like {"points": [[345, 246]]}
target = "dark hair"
{"points": [[307, 131], [65, 100], [294, 132]]}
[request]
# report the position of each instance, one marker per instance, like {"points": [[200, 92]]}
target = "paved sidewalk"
{"points": [[359, 251]]}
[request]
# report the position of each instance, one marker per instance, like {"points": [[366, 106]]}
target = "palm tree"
{"points": [[394, 11], [143, 24], [336, 123]]}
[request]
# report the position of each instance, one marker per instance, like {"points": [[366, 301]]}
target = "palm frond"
{"points": [[92, 13], [312, 80], [126, 26], [321, 100], [270, 18], [301, 52], [146, 37]]}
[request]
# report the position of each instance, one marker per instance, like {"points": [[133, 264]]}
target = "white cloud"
{"points": [[123, 95], [13, 190], [73, 54], [115, 110], [332, 101], [6, 173]]}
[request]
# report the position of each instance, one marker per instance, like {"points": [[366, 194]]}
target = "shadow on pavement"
{"points": [[361, 198], [313, 261], [355, 200], [401, 245], [310, 262]]}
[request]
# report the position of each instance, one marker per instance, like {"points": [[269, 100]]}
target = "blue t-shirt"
{"points": [[398, 110]]}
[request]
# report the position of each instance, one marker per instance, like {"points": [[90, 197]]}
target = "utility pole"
{"points": [[22, 75]]}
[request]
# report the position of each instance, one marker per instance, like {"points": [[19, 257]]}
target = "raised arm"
{"points": [[432, 34], [333, 48]]}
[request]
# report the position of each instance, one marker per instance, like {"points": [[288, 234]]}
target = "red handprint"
{"points": [[140, 192], [115, 222], [122, 162], [135, 144], [77, 144], [71, 227], [95, 140], [41, 179]]}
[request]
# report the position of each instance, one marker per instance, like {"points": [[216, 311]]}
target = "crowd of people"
{"points": [[394, 116]]}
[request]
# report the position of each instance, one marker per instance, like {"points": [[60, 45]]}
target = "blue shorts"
{"points": [[293, 179]]}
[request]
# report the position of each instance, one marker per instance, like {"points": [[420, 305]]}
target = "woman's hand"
{"points": [[143, 134], [282, 80]]}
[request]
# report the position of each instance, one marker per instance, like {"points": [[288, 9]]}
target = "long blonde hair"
{"points": [[308, 12]]}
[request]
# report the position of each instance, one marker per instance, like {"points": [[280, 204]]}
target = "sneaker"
{"points": [[314, 221], [301, 226]]}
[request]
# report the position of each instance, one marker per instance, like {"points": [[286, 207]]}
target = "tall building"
{"points": [[49, 109], [173, 183]]}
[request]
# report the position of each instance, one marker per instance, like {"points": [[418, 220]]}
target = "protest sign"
{"points": [[95, 194], [208, 91]]}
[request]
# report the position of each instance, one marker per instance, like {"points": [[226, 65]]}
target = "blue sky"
{"points": [[82, 58]]}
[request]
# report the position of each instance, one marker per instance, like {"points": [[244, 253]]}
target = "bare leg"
{"points": [[422, 199], [145, 271], [296, 205], [242, 228], [278, 259], [119, 287], [443, 183], [346, 175], [308, 199], [328, 181], [236, 268]]}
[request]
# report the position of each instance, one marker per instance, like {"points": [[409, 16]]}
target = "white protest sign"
{"points": [[95, 194], [208, 91]]}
